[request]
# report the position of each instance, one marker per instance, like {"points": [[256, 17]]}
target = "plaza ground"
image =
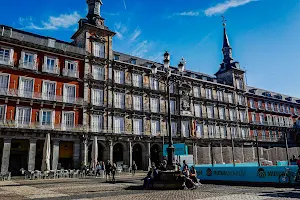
{"points": [[128, 188]]}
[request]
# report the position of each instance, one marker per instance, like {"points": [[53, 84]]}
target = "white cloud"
{"points": [[53, 23], [223, 7], [140, 49], [120, 30], [158, 57], [136, 33], [190, 13]]}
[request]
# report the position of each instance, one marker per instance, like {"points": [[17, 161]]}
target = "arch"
{"points": [[118, 152], [137, 155], [155, 152], [101, 151], [18, 156]]}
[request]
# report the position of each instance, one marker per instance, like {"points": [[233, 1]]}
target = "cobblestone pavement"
{"points": [[128, 188]]}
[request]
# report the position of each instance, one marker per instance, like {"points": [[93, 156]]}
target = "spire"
{"points": [[94, 8], [225, 40], [227, 51]]}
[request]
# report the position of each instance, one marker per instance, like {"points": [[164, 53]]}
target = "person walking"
{"points": [[98, 169], [102, 171], [108, 168], [113, 172], [133, 168]]}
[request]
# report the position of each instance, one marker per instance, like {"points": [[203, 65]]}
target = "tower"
{"points": [[229, 71]]}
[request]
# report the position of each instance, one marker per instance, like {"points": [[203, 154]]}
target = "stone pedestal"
{"points": [[168, 180], [5, 156], [31, 155]]}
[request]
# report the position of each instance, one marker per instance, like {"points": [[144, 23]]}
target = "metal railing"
{"points": [[40, 96], [27, 65], [70, 73], [45, 68], [268, 123], [6, 61]]}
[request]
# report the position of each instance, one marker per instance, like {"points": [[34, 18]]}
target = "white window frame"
{"points": [[68, 72], [174, 129], [138, 130], [99, 123], [43, 88], [120, 129], [222, 113], [101, 93], [32, 65], [65, 97], [208, 93], [4, 107], [259, 103], [5, 90], [119, 102], [230, 97], [154, 84], [99, 49], [185, 130], [252, 104], [197, 91], [95, 75], [199, 130], [220, 95], [17, 115], [10, 60], [155, 130], [156, 110], [21, 90], [198, 112], [210, 111], [137, 102], [173, 106], [63, 124], [137, 80], [119, 76], [55, 67], [52, 122]]}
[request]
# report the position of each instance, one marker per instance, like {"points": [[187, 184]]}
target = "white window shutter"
{"points": [[35, 60], [53, 119], [41, 116], [66, 64], [11, 56], [56, 62], [64, 92], [22, 58]]}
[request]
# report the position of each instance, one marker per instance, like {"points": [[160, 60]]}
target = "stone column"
{"points": [[84, 152], [195, 149], [31, 154], [55, 154], [149, 155], [76, 154], [5, 155], [111, 150], [130, 153]]}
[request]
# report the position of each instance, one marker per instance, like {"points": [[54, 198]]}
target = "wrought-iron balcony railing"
{"points": [[38, 126], [268, 123], [27, 65], [70, 73], [40, 96], [6, 61], [50, 69]]}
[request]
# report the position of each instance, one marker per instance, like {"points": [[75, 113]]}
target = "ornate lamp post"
{"points": [[166, 74]]}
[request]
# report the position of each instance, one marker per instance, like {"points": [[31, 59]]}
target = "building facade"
{"points": [[84, 91]]}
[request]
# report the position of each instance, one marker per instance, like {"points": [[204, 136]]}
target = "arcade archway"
{"points": [[137, 156], [155, 154], [101, 149], [118, 151]]}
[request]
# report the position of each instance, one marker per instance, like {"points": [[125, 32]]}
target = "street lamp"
{"points": [[166, 73], [257, 150]]}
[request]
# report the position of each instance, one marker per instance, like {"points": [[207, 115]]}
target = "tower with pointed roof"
{"points": [[229, 71]]}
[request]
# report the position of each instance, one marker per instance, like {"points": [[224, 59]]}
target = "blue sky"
{"points": [[264, 34]]}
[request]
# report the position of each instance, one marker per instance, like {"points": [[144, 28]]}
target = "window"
{"points": [[272, 106], [26, 87], [223, 131], [174, 129], [208, 93], [48, 90], [71, 69], [137, 102], [154, 105], [69, 93], [50, 65], [23, 116], [119, 125], [267, 105], [171, 88], [278, 107], [68, 120], [199, 130], [28, 60], [119, 77], [98, 72], [210, 112], [153, 83], [230, 97], [197, 110], [244, 132], [283, 108], [173, 106], [116, 57], [252, 103], [239, 84], [288, 109], [220, 95], [96, 123], [119, 99], [240, 99], [138, 126], [99, 49], [155, 127], [133, 61], [6, 55], [259, 104], [263, 134], [222, 113], [261, 119], [196, 91], [253, 116], [295, 108], [242, 116], [4, 79], [185, 128], [233, 132], [137, 80], [47, 118], [97, 97], [2, 113], [232, 114], [211, 131]]}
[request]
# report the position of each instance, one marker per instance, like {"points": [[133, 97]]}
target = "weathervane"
{"points": [[224, 21]]}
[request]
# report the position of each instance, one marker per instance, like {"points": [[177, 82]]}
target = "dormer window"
{"points": [[99, 49], [252, 91], [116, 57], [149, 65], [133, 61], [288, 98], [278, 96]]}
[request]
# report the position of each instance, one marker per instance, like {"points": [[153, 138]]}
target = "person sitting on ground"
{"points": [[178, 165], [184, 165], [193, 176], [163, 165], [149, 179], [108, 167], [187, 181]]}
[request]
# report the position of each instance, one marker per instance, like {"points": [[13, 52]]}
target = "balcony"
{"points": [[268, 123], [50, 69], [38, 126], [70, 73], [6, 61], [40, 96], [27, 65]]}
